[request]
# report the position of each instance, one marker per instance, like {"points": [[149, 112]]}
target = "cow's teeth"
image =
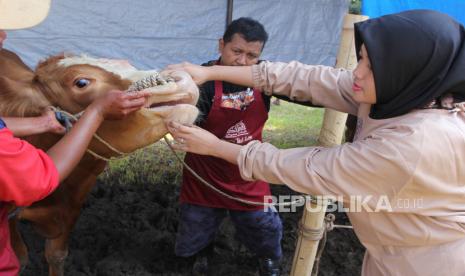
{"points": [[150, 81]]}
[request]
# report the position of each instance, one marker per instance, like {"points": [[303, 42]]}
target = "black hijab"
{"points": [[416, 56]]}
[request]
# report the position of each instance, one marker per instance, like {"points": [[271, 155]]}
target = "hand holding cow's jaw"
{"points": [[200, 74], [118, 104], [197, 140], [184, 83]]}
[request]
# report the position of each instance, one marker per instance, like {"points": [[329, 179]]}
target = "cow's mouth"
{"points": [[169, 103], [162, 100], [163, 92]]}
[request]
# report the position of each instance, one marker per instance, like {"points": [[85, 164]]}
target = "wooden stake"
{"points": [[331, 134]]}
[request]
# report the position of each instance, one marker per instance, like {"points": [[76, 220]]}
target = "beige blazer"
{"points": [[413, 164]]}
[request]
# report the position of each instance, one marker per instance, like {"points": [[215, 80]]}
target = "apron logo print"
{"points": [[239, 133]]}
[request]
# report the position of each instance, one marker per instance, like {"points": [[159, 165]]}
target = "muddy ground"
{"points": [[130, 230]]}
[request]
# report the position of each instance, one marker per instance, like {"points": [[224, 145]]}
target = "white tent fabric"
{"points": [[155, 33]]}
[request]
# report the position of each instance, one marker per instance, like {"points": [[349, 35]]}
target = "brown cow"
{"points": [[72, 83]]}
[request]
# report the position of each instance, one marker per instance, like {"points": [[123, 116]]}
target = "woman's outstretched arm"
{"points": [[241, 75]]}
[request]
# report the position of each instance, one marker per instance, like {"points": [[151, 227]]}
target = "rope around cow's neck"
{"points": [[75, 117], [203, 181]]}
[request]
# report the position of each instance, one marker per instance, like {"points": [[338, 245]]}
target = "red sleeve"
{"points": [[27, 174]]}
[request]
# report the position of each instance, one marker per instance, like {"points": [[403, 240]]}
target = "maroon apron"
{"points": [[238, 118]]}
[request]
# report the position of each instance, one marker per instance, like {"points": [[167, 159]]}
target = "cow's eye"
{"points": [[81, 83]]}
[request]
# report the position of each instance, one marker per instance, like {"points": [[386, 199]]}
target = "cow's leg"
{"points": [[49, 222], [18, 244], [55, 216], [55, 226], [56, 251], [56, 248]]}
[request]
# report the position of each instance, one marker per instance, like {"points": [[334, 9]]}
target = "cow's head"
{"points": [[72, 83]]}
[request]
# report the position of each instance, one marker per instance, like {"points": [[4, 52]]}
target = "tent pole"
{"points": [[330, 135], [229, 12]]}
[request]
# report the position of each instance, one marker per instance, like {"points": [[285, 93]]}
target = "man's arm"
{"points": [[34, 125]]}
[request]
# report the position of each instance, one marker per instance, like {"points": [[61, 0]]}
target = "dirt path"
{"points": [[131, 231]]}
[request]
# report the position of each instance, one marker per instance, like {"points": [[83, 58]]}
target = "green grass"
{"points": [[153, 164], [289, 125]]}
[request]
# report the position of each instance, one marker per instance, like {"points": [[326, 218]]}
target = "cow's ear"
{"points": [[20, 98]]}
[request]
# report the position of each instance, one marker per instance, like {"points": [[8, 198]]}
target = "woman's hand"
{"points": [[193, 139], [118, 104], [199, 74], [184, 83], [197, 140]]}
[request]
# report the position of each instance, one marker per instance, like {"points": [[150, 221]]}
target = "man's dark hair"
{"points": [[250, 29]]}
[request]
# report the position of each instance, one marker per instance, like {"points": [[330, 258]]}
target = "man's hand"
{"points": [[118, 104]]}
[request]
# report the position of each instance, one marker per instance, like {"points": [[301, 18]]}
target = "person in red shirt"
{"points": [[28, 174]]}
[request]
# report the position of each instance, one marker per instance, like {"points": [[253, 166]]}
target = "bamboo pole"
{"points": [[331, 134]]}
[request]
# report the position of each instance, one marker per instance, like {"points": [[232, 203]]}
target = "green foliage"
{"points": [[289, 125], [355, 6]]}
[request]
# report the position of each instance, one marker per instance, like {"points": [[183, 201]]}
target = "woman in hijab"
{"points": [[408, 92]]}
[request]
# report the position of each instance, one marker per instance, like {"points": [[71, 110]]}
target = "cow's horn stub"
{"points": [[150, 81]]}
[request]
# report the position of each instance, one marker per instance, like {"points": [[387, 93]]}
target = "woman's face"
{"points": [[364, 90]]}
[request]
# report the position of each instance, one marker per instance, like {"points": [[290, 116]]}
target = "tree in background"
{"points": [[355, 6]]}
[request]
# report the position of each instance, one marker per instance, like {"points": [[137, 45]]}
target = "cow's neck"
{"points": [[136, 131]]}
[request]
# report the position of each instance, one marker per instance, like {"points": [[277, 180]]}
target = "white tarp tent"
{"points": [[154, 33]]}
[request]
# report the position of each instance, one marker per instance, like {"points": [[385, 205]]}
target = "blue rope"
{"points": [[64, 120]]}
